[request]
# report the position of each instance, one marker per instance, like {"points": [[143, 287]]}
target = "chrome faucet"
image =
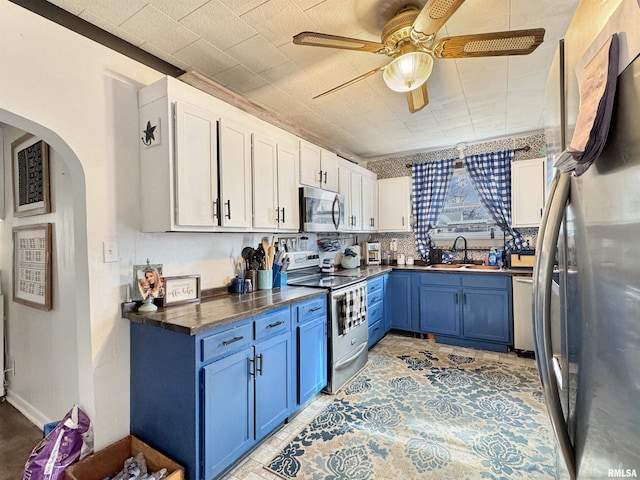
{"points": [[465, 259]]}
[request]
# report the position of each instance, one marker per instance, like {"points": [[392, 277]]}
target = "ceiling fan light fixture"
{"points": [[408, 71]]}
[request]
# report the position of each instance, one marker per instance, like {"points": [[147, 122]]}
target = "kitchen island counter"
{"points": [[221, 310]]}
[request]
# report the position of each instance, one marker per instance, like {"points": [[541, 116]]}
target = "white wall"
{"points": [[81, 98], [43, 344]]}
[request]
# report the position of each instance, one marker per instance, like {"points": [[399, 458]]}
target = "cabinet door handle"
{"points": [[373, 222], [464, 298], [325, 178], [233, 340], [320, 177], [283, 220], [259, 365], [228, 204], [541, 213], [314, 309], [252, 371], [275, 324], [455, 296], [215, 208], [277, 215], [403, 221]]}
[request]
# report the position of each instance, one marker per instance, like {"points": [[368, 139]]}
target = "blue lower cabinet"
{"points": [[205, 400], [273, 383], [398, 301], [439, 309], [227, 410], [311, 348], [466, 309], [376, 290]]}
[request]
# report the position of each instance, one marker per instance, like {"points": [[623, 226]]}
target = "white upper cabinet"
{"points": [[235, 174], [369, 202], [178, 159], [394, 204], [318, 167], [275, 188], [527, 192]]}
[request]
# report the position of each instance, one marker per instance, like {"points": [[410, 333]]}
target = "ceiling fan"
{"points": [[409, 38]]}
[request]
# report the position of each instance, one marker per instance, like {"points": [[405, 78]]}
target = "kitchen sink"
{"points": [[445, 266], [481, 267]]}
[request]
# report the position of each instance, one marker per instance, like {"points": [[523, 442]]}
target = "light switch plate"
{"points": [[110, 251]]}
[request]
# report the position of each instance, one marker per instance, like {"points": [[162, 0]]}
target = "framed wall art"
{"points": [[181, 289], [30, 176], [32, 265]]}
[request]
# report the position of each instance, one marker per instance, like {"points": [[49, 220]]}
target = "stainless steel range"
{"points": [[347, 319]]}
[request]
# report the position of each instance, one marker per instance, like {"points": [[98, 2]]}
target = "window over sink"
{"points": [[464, 213]]}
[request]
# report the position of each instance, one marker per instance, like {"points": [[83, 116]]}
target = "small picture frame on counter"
{"points": [[181, 289], [147, 282]]}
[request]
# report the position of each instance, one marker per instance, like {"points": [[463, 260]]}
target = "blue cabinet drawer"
{"points": [[376, 332], [375, 285], [492, 280], [447, 278], [375, 313], [316, 307], [226, 342], [375, 297], [272, 323]]}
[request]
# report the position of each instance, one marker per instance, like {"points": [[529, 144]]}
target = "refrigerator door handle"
{"points": [[543, 276]]}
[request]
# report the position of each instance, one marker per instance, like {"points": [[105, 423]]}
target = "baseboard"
{"points": [[33, 414]]}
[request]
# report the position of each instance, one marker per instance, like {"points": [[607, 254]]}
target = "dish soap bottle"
{"points": [[493, 257]]}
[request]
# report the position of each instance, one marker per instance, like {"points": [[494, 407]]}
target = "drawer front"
{"points": [[492, 280], [226, 342], [375, 285], [451, 279], [375, 313], [375, 297], [313, 308], [273, 323]]}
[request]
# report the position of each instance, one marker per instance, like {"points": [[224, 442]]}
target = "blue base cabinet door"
{"points": [[228, 410], [272, 373], [486, 314], [439, 309], [312, 358], [398, 300]]}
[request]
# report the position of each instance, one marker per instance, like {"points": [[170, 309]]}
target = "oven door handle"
{"points": [[343, 363]]}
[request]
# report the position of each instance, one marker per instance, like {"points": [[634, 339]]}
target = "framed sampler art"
{"points": [[32, 265], [30, 176]]}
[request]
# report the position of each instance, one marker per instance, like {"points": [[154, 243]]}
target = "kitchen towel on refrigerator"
{"points": [[353, 310]]}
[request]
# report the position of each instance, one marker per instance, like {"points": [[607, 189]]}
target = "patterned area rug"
{"points": [[416, 413]]}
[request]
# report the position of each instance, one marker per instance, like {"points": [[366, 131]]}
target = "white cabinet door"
{"points": [[344, 189], [288, 187], [394, 204], [309, 164], [369, 203], [265, 195], [196, 170], [527, 192], [235, 174], [329, 169], [350, 186], [356, 201]]}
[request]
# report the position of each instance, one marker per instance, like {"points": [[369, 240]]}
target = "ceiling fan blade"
{"points": [[314, 39], [418, 98], [516, 42], [433, 15], [351, 82]]}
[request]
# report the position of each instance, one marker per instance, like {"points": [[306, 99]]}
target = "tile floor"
{"points": [[251, 468]]}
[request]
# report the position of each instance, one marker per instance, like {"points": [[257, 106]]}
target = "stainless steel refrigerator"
{"points": [[587, 292]]}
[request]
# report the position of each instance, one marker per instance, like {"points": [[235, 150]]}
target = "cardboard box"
{"points": [[110, 460]]}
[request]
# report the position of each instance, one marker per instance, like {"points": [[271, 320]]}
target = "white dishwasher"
{"points": [[522, 313]]}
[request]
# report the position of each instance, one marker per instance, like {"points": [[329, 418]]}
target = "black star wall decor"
{"points": [[151, 134]]}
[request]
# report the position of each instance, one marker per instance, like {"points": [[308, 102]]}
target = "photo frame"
{"points": [[32, 265], [145, 285], [181, 289], [31, 195]]}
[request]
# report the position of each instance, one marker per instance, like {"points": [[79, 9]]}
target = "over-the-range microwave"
{"points": [[320, 210]]}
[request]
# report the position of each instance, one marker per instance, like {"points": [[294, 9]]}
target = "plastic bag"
{"points": [[70, 441]]}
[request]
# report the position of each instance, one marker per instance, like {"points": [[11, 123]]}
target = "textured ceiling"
{"points": [[246, 46]]}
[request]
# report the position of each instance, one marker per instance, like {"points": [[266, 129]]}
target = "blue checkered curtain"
{"points": [[490, 174], [430, 182]]}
